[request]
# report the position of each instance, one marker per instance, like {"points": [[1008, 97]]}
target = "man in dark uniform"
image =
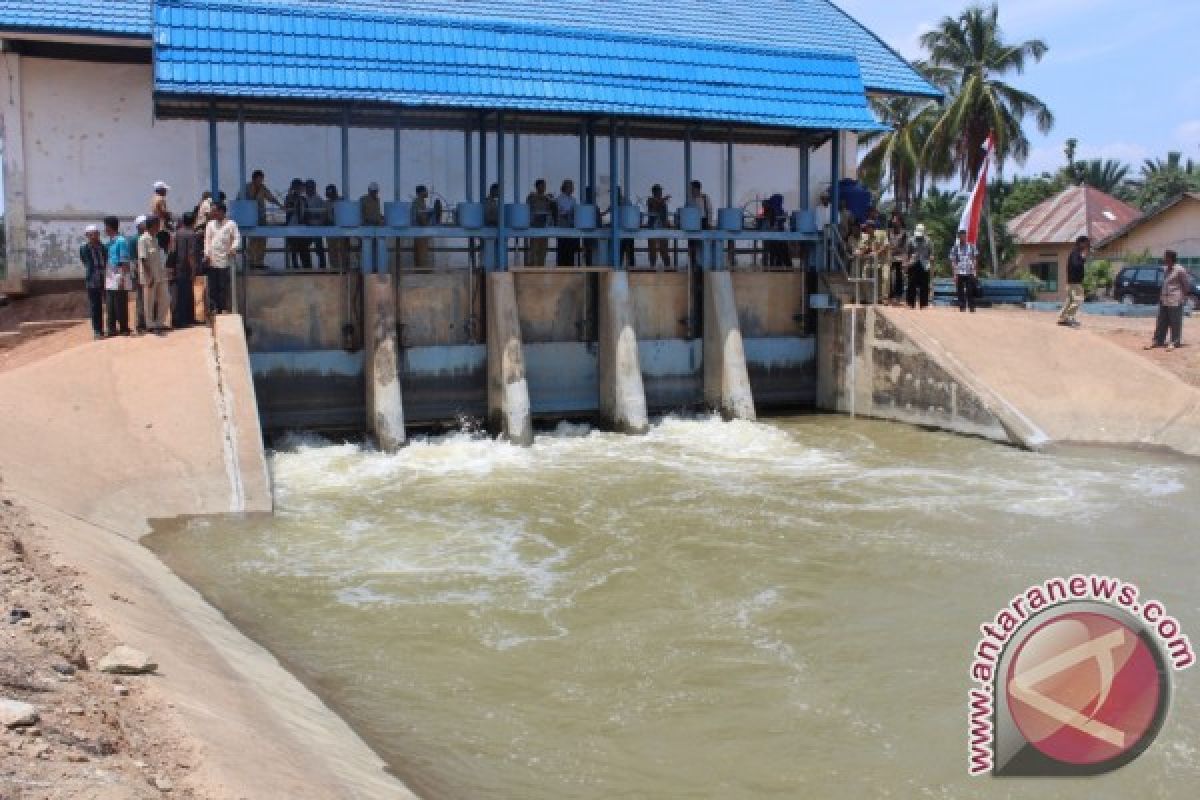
{"points": [[1076, 269]]}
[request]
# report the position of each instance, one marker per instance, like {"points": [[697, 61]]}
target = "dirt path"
{"points": [[96, 735]]}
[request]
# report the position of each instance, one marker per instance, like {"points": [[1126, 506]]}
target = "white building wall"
{"points": [[92, 147]]}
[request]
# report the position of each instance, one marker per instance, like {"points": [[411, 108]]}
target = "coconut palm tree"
{"points": [[967, 58], [895, 155], [1106, 175], [1156, 167]]}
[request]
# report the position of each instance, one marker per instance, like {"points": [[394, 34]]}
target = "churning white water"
{"points": [[714, 610]]}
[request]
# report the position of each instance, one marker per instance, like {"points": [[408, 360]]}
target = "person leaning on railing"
{"points": [[657, 215]]}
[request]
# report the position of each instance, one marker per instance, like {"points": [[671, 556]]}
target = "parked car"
{"points": [[1142, 284]]}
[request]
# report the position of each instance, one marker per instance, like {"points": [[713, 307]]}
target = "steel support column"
{"points": [[835, 176], [241, 126], [501, 234], [614, 201], [805, 198], [346, 147], [397, 158], [214, 171]]}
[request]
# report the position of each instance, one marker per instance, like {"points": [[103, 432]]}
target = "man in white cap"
{"points": [[158, 205], [920, 262], [94, 257], [135, 274]]}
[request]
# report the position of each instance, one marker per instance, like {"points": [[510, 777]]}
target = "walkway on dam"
{"points": [[1054, 384], [102, 437]]}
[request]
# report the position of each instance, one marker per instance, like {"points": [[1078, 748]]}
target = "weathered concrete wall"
{"points": [[440, 309], [297, 312], [769, 304], [12, 134], [556, 307], [660, 304], [869, 367], [92, 146], [239, 407]]}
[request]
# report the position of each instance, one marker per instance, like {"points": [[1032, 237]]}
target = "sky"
{"points": [[1121, 77]]}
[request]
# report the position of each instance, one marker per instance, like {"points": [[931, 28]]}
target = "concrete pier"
{"points": [[385, 407], [622, 394], [726, 378], [508, 391]]}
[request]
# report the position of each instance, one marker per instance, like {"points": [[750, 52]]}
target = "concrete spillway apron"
{"points": [[622, 395], [508, 391], [385, 406], [726, 379]]}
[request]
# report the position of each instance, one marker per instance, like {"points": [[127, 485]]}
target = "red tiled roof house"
{"points": [[1046, 233]]}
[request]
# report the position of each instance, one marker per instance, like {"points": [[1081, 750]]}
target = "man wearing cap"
{"points": [[221, 242], [920, 258], [256, 190], [135, 274], [657, 215], [158, 206], [116, 279], [152, 268], [964, 258], [95, 262]]}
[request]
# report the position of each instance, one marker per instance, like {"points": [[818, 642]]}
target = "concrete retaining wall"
{"points": [[867, 366]]}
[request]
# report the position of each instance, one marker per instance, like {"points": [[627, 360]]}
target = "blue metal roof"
{"points": [[811, 24], [273, 50], [86, 17]]}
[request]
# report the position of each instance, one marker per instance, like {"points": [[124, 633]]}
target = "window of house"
{"points": [[1047, 273]]}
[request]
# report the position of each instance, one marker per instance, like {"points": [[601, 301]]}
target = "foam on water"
{"points": [[714, 609]]}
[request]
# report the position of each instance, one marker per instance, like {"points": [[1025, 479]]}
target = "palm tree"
{"points": [[896, 154], [940, 211], [967, 56], [1106, 175], [1156, 167]]}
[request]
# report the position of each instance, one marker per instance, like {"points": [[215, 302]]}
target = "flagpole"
{"points": [[987, 209]]}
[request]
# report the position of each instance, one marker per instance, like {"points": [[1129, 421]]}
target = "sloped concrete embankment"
{"points": [[1009, 377], [103, 438]]}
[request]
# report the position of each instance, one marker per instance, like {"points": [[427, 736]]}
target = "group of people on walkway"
{"points": [[159, 265], [900, 263]]}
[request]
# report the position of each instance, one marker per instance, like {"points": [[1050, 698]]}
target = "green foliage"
{"points": [[1161, 181], [940, 213], [1099, 275], [1033, 281], [1022, 194], [968, 56], [1106, 175], [895, 156]]}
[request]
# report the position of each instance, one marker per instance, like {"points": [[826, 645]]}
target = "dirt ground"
{"points": [[1135, 334], [98, 736], [37, 308]]}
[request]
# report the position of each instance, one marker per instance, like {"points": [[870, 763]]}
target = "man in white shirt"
{"points": [[564, 206], [222, 240]]}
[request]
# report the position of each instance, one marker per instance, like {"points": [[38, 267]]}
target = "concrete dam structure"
{"points": [[433, 348]]}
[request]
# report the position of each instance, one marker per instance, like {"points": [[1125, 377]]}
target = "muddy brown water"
{"points": [[716, 610]]}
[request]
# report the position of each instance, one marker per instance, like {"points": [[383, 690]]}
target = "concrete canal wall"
{"points": [[1005, 376], [103, 438], [581, 343]]}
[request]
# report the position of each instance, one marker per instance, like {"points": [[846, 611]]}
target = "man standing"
{"points": [[256, 190], [1076, 268], [421, 217], [116, 278], [135, 274], [316, 214], [1177, 285], [371, 206], [541, 214], [185, 263], [565, 209], [920, 257], [152, 268], [964, 258], [657, 218], [297, 247], [158, 206], [339, 246], [221, 242], [698, 199], [95, 261]]}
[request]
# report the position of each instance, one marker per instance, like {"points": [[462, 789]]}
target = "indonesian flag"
{"points": [[974, 210]]}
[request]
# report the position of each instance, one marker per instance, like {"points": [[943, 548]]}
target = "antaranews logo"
{"points": [[1072, 678]]}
